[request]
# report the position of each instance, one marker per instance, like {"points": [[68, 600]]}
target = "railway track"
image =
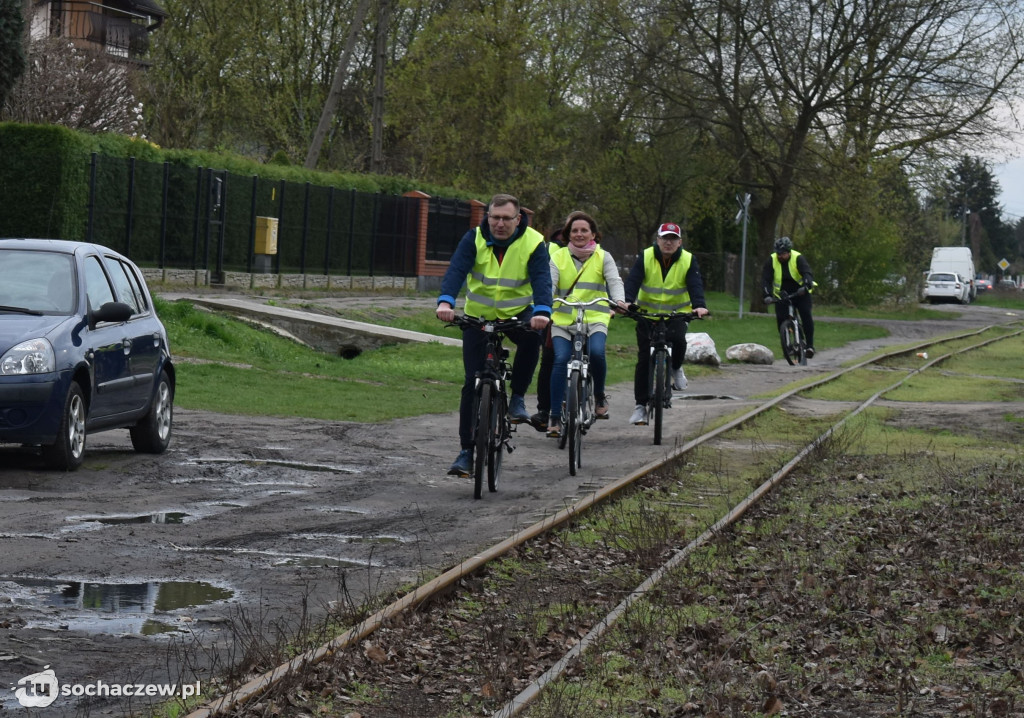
{"points": [[522, 667]]}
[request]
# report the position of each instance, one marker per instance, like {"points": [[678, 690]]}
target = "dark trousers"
{"points": [[802, 304], [547, 363], [676, 336], [474, 347]]}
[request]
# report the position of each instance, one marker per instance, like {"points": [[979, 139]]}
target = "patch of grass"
{"points": [[280, 377], [938, 388], [858, 385]]}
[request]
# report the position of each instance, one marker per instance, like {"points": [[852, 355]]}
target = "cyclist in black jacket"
{"points": [[788, 271]]}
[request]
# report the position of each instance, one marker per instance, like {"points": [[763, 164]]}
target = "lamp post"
{"points": [[963, 226], [743, 216]]}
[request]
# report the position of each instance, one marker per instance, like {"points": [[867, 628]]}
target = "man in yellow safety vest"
{"points": [[504, 265]]}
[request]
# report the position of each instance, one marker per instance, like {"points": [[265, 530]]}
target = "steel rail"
{"points": [[255, 687], [530, 693]]}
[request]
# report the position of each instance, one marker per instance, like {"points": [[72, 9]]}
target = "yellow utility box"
{"points": [[266, 235]]}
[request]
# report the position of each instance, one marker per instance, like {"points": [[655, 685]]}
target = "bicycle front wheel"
{"points": [[484, 410], [660, 394], [790, 342], [573, 428], [499, 434]]}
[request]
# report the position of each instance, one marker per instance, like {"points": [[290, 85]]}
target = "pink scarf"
{"points": [[582, 253]]}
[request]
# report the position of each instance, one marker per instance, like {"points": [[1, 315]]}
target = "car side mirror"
{"points": [[115, 312]]}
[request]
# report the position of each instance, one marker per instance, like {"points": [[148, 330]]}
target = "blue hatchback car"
{"points": [[81, 350]]}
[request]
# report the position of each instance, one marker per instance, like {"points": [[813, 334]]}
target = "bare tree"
{"points": [[786, 84], [65, 85]]}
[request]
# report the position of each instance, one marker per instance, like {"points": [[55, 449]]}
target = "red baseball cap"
{"points": [[669, 228]]}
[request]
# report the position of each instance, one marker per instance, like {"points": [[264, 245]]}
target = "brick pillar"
{"points": [[421, 230]]}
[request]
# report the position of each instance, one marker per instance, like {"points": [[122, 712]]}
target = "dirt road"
{"points": [[143, 570]]}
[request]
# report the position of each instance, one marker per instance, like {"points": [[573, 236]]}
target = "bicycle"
{"points": [[659, 390], [492, 429], [791, 331], [578, 408]]}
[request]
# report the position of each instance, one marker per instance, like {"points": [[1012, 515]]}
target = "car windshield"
{"points": [[942, 278], [36, 282]]}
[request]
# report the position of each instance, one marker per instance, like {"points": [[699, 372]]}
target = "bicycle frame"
{"points": [[578, 410], [791, 333], [659, 393], [492, 429]]}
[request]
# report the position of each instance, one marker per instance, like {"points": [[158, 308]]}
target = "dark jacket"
{"points": [[789, 285], [694, 282]]}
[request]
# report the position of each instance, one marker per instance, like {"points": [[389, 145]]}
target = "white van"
{"points": [[957, 260]]}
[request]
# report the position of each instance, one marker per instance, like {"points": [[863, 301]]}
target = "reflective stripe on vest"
{"points": [[590, 285], [668, 294], [793, 271], [500, 291]]}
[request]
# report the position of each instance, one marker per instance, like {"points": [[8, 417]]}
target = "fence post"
{"points": [[163, 216], [222, 201], [305, 235], [280, 228], [250, 258], [92, 198], [422, 220], [373, 235], [130, 215], [327, 238], [195, 218], [351, 233]]}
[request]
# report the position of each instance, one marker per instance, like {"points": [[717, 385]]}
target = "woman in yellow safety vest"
{"points": [[581, 270]]}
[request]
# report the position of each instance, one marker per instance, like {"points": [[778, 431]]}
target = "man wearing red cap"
{"points": [[664, 278]]}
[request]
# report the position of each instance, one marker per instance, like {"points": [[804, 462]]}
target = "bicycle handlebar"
{"points": [[635, 312], [785, 297], [592, 302], [488, 325]]}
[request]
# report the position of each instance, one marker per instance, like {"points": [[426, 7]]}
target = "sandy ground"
{"points": [[135, 568]]}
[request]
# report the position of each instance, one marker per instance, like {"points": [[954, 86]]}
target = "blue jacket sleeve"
{"points": [[635, 279], [459, 268], [539, 268], [695, 285]]}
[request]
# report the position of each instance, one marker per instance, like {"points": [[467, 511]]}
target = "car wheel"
{"points": [[68, 451], [152, 434]]}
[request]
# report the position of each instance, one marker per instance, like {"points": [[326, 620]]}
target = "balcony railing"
{"points": [[104, 29]]}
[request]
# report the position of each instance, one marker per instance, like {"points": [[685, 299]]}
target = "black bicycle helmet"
{"points": [[783, 244]]}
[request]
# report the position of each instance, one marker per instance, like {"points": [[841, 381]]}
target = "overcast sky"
{"points": [[1011, 181]]}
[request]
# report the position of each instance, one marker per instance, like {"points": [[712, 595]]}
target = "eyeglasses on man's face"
{"points": [[497, 218]]}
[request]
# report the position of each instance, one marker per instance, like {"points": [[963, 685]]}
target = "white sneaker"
{"points": [[679, 381], [639, 415]]}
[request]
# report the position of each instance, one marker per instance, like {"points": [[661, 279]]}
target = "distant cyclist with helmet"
{"points": [[788, 271]]}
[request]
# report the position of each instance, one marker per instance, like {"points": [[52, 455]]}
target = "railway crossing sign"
{"points": [[1003, 264]]}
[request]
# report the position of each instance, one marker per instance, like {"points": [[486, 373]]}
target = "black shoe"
{"points": [[809, 352], [539, 421]]}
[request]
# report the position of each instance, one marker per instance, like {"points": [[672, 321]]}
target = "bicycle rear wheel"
{"points": [[572, 425], [800, 343], [499, 412], [660, 374], [790, 343], [484, 411]]}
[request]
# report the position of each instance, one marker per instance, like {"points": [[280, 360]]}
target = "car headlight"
{"points": [[32, 357]]}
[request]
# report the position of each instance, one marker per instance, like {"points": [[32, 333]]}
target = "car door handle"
{"points": [[127, 346]]}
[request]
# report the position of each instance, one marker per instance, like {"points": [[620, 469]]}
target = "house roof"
{"points": [[147, 7]]}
